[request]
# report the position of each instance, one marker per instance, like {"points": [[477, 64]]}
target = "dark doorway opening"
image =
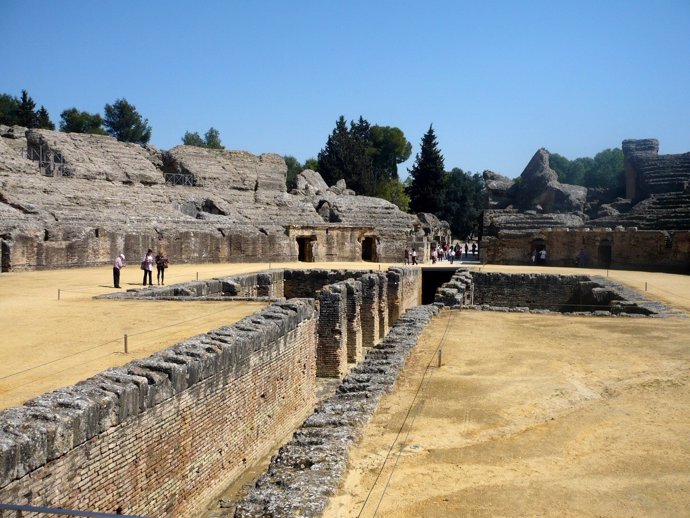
{"points": [[5, 256], [535, 254], [369, 249], [604, 253], [432, 279], [305, 249]]}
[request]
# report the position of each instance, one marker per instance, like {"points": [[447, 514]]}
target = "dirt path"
{"points": [[534, 415]]}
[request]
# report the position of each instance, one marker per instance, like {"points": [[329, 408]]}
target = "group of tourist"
{"points": [[410, 256], [539, 256], [160, 260], [442, 252]]}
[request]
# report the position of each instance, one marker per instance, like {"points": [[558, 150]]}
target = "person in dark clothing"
{"points": [[161, 265]]}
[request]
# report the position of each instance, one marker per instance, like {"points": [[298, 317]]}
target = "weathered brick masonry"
{"points": [[160, 436]]}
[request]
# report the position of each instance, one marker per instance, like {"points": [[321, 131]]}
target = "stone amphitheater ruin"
{"points": [[71, 200], [161, 436], [647, 230]]}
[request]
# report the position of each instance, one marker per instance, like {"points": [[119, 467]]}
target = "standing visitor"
{"points": [[147, 266], [414, 256], [406, 260], [467, 249], [542, 256], [119, 265], [161, 265], [474, 248]]}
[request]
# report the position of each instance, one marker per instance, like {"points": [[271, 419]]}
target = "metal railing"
{"points": [[51, 163], [20, 509], [180, 179]]}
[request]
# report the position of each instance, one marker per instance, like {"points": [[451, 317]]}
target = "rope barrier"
{"points": [[402, 425], [117, 340]]}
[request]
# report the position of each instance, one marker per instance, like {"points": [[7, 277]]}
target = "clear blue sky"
{"points": [[497, 79]]}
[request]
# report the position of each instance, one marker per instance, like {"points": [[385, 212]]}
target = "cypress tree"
{"points": [[25, 115], [426, 187]]}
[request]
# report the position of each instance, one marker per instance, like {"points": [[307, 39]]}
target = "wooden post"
{"points": [[58, 293], [197, 276], [440, 357], [126, 349], [645, 286]]}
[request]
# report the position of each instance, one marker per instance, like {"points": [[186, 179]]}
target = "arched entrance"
{"points": [[369, 249]]}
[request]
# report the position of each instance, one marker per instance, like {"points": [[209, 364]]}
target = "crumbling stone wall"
{"points": [[354, 320], [307, 471], [112, 197], [160, 436], [369, 311], [604, 248], [577, 294], [331, 360]]}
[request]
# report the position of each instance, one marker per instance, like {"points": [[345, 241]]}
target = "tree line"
{"points": [[120, 120], [367, 157], [605, 170]]}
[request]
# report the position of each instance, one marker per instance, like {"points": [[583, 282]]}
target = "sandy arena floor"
{"points": [[528, 415], [49, 343], [533, 415]]}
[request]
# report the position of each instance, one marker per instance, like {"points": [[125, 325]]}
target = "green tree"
{"points": [[123, 122], [193, 139], [212, 139], [464, 197], [605, 170], [9, 109], [389, 147], [74, 121], [365, 156], [43, 119], [334, 159], [26, 115], [426, 187], [293, 168], [311, 163], [393, 190]]}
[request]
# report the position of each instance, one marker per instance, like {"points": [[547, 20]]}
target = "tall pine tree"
{"points": [[334, 158], [426, 187], [25, 115]]}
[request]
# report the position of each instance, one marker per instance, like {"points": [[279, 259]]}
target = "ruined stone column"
{"points": [[331, 351], [394, 294], [369, 312], [383, 304], [354, 321]]}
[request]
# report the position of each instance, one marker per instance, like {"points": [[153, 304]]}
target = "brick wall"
{"points": [[331, 359], [354, 320], [536, 291], [162, 436], [369, 311]]}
